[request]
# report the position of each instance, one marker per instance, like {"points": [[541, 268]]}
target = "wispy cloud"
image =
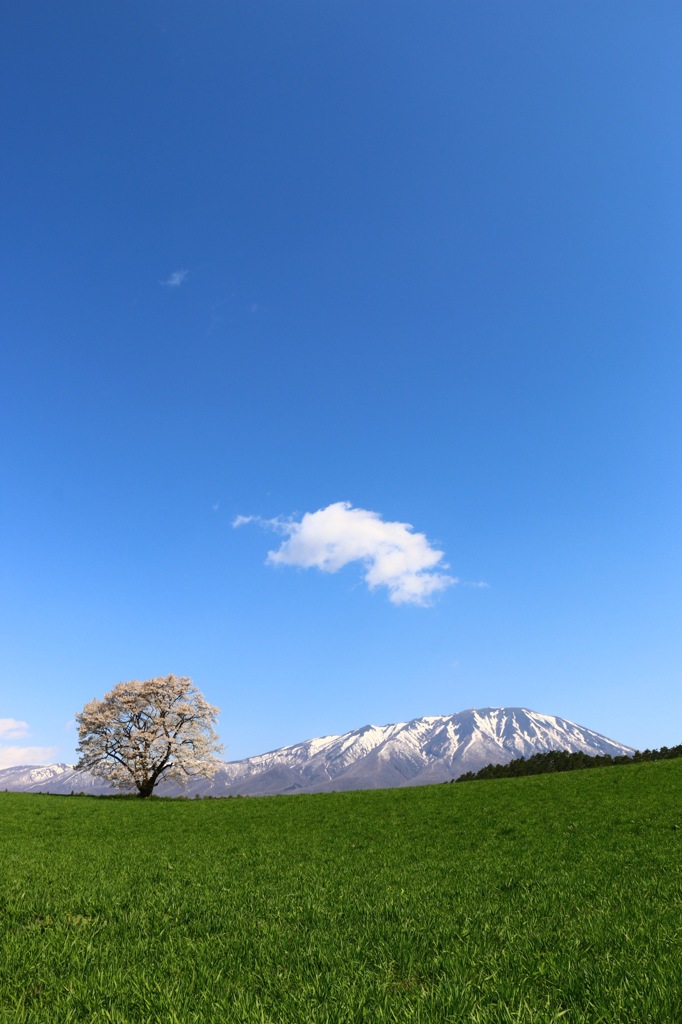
{"points": [[12, 729], [175, 279], [393, 555], [11, 756], [243, 520]]}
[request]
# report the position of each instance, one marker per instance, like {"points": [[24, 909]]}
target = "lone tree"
{"points": [[141, 733]]}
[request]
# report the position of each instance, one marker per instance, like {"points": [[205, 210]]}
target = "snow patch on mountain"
{"points": [[426, 750]]}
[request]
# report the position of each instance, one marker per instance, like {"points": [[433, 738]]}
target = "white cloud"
{"points": [[393, 555], [11, 756], [243, 520], [12, 729], [175, 279]]}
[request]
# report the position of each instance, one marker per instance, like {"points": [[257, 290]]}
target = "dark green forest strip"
{"points": [[539, 900], [566, 761]]}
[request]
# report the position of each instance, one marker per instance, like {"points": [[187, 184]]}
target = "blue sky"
{"points": [[263, 258]]}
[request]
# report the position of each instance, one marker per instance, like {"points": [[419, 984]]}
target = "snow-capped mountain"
{"points": [[51, 778], [425, 750]]}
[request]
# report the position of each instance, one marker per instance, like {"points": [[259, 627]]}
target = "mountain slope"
{"points": [[425, 750], [51, 778]]}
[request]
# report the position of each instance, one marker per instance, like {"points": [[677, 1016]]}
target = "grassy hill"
{"points": [[540, 899]]}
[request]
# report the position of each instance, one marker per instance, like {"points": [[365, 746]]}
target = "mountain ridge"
{"points": [[422, 751]]}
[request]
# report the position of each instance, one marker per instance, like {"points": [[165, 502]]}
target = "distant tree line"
{"points": [[566, 761]]}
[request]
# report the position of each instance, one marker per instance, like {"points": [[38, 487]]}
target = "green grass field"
{"points": [[554, 898]]}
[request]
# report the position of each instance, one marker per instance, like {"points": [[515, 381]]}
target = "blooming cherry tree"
{"points": [[143, 732]]}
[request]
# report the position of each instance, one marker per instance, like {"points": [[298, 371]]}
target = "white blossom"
{"points": [[143, 732]]}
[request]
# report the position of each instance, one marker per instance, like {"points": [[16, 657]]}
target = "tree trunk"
{"points": [[146, 788]]}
